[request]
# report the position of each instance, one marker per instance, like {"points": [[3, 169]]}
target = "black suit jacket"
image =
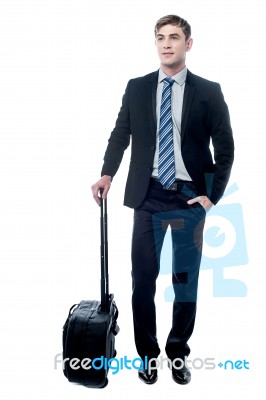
{"points": [[205, 118]]}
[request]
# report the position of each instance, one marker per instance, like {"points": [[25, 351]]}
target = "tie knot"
{"points": [[169, 81]]}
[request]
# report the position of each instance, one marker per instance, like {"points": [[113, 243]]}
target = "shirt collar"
{"points": [[179, 78]]}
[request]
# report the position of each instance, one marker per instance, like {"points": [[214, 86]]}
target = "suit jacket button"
{"points": [[152, 147]]}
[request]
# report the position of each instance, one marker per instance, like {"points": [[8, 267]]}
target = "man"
{"points": [[171, 116]]}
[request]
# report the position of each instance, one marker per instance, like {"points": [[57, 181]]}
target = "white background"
{"points": [[64, 65]]}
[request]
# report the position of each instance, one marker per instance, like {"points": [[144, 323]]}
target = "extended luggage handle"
{"points": [[105, 298]]}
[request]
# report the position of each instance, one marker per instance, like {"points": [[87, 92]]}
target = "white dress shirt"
{"points": [[177, 95]]}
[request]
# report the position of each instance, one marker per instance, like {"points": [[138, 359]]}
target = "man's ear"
{"points": [[189, 44]]}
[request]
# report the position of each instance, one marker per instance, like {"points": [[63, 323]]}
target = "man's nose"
{"points": [[167, 44]]}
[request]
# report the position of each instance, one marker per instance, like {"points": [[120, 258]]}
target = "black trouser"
{"points": [[161, 209]]}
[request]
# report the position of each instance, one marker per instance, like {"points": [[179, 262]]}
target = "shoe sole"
{"points": [[148, 383], [181, 382]]}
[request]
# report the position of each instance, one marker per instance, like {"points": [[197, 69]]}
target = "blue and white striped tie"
{"points": [[166, 163]]}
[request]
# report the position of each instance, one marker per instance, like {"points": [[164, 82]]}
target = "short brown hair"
{"points": [[174, 20]]}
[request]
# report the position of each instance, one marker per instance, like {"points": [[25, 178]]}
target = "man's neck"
{"points": [[170, 71]]}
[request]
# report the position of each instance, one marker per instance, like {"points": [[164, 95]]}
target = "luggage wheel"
{"points": [[105, 384]]}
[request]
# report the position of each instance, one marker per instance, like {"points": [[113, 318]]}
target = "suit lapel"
{"points": [[187, 101], [152, 91]]}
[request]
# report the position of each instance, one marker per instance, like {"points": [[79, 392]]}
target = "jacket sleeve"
{"points": [[223, 146], [119, 139]]}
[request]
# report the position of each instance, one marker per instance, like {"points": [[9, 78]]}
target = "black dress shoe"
{"points": [[147, 378], [181, 375]]}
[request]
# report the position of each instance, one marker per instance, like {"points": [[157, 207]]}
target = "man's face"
{"points": [[172, 46]]}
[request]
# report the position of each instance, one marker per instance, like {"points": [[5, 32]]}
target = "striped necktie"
{"points": [[166, 163]]}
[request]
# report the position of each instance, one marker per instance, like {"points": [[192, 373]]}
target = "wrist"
{"points": [[107, 178]]}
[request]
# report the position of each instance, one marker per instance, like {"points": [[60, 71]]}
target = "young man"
{"points": [[171, 116]]}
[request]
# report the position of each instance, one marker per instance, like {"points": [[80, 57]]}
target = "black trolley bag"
{"points": [[90, 329]]}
